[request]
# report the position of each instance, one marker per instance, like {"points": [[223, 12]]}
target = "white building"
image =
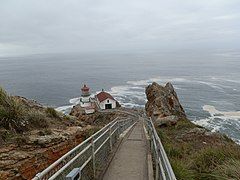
{"points": [[105, 101], [86, 101]]}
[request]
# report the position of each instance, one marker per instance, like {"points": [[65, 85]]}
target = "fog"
{"points": [[79, 26]]}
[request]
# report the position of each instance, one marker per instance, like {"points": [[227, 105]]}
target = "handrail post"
{"points": [[110, 137], [118, 129], [157, 163], [93, 157]]}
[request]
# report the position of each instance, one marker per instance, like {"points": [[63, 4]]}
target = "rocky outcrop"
{"points": [[163, 105], [77, 111], [25, 161], [34, 152], [98, 118], [29, 102]]}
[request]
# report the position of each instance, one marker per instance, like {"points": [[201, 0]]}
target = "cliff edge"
{"points": [[195, 153]]}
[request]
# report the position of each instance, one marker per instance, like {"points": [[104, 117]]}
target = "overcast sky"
{"points": [[52, 26]]}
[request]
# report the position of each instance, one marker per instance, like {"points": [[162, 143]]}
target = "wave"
{"points": [[74, 100], [64, 109], [226, 114], [227, 122], [134, 91], [161, 80]]}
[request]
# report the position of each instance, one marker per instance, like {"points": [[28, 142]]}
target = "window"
{"points": [[107, 101]]}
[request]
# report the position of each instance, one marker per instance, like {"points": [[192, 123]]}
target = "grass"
{"points": [[198, 156], [36, 119], [229, 169], [90, 132], [51, 112], [16, 117], [182, 171], [11, 112]]}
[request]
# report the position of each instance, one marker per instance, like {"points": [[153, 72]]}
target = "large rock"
{"points": [[163, 105], [168, 121], [77, 111]]}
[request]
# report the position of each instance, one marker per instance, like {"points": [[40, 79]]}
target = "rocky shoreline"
{"points": [[46, 136]]}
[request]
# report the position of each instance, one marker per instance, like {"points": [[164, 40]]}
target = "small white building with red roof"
{"points": [[105, 101]]}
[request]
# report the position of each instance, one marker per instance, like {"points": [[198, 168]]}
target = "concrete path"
{"points": [[130, 160]]}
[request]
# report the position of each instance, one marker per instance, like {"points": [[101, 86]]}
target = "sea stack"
{"points": [[163, 105]]}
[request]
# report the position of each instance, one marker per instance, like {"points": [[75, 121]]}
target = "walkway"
{"points": [[130, 160]]}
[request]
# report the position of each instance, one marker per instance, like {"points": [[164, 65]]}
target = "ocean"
{"points": [[207, 83]]}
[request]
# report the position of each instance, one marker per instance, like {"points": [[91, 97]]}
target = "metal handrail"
{"points": [[163, 168], [59, 166]]}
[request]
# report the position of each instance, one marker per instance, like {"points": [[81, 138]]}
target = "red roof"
{"points": [[103, 96], [85, 88]]}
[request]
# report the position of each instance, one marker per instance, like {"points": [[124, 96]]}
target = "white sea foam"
{"points": [[74, 100], [212, 85], [222, 79], [64, 109], [138, 83], [227, 115], [132, 94], [135, 90], [131, 105], [221, 121], [208, 123], [162, 80]]}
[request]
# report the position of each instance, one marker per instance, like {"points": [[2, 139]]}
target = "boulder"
{"points": [[163, 105], [166, 121], [77, 111]]}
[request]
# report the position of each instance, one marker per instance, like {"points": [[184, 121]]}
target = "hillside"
{"points": [[194, 152], [33, 136]]}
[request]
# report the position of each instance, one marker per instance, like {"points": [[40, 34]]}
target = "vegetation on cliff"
{"points": [[33, 136], [195, 153], [16, 115], [198, 154]]}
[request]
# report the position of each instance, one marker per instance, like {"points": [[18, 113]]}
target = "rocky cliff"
{"points": [[163, 105], [194, 152], [33, 136]]}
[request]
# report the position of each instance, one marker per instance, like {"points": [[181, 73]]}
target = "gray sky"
{"points": [[52, 26]]}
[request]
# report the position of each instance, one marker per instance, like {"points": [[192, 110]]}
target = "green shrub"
{"points": [[173, 152], [185, 124], [36, 119], [11, 113], [90, 132], [181, 170], [66, 117], [229, 170], [161, 134], [6, 135], [207, 159], [51, 112]]}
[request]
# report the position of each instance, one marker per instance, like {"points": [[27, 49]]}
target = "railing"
{"points": [[163, 168], [90, 156]]}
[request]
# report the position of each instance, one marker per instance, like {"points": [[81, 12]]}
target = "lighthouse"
{"points": [[85, 99]]}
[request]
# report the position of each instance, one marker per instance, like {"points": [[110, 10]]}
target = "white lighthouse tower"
{"points": [[85, 99]]}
